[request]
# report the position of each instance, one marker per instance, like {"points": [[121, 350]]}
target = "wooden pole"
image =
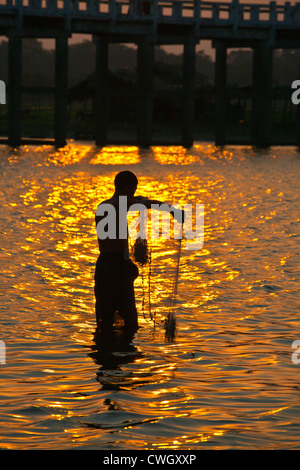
{"points": [[145, 66], [61, 90], [220, 93], [14, 90], [262, 95], [189, 60], [101, 101]]}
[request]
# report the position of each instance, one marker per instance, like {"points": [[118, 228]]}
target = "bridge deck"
{"points": [[207, 19], [262, 27]]}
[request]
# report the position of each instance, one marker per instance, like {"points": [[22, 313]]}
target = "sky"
{"points": [[204, 45]]}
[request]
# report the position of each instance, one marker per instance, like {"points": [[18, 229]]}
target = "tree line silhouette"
{"points": [[38, 63], [38, 76]]}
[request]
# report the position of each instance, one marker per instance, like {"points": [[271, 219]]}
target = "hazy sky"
{"points": [[204, 45]]}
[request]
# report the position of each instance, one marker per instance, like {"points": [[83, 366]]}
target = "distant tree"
{"points": [[240, 67], [205, 67], [37, 63], [286, 67], [81, 61], [121, 56], [162, 56]]}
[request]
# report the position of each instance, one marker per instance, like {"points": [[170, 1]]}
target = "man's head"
{"points": [[126, 183]]}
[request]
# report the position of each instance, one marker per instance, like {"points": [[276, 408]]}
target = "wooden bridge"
{"points": [[262, 27]]}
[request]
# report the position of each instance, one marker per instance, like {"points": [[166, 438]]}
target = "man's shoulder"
{"points": [[119, 201], [103, 207], [107, 201]]}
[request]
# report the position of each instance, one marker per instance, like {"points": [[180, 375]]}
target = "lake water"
{"points": [[227, 379]]}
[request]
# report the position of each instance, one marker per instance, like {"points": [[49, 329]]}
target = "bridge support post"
{"points": [[189, 59], [220, 93], [14, 90], [262, 95], [61, 90], [101, 91], [145, 66]]}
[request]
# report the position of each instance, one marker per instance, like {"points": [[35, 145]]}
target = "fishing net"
{"points": [[170, 321], [140, 248], [142, 255]]}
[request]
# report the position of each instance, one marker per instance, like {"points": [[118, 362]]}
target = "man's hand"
{"points": [[140, 198]]}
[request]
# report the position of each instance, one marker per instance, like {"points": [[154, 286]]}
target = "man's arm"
{"points": [[178, 214]]}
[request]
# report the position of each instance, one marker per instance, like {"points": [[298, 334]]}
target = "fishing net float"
{"points": [[140, 251]]}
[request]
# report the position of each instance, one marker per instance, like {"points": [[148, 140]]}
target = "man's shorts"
{"points": [[114, 290]]}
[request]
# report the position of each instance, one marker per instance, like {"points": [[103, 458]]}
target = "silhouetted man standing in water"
{"points": [[115, 272]]}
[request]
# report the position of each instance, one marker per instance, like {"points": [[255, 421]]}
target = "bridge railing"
{"points": [[178, 11]]}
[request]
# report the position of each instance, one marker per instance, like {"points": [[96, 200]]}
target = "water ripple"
{"points": [[227, 380]]}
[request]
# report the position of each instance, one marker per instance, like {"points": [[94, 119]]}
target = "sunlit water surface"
{"points": [[227, 380]]}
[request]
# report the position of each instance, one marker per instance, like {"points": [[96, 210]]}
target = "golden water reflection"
{"points": [[227, 374], [117, 156]]}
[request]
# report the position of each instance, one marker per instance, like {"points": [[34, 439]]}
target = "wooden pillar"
{"points": [[188, 82], [61, 90], [14, 90], [262, 95], [101, 100], [221, 109], [145, 66]]}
